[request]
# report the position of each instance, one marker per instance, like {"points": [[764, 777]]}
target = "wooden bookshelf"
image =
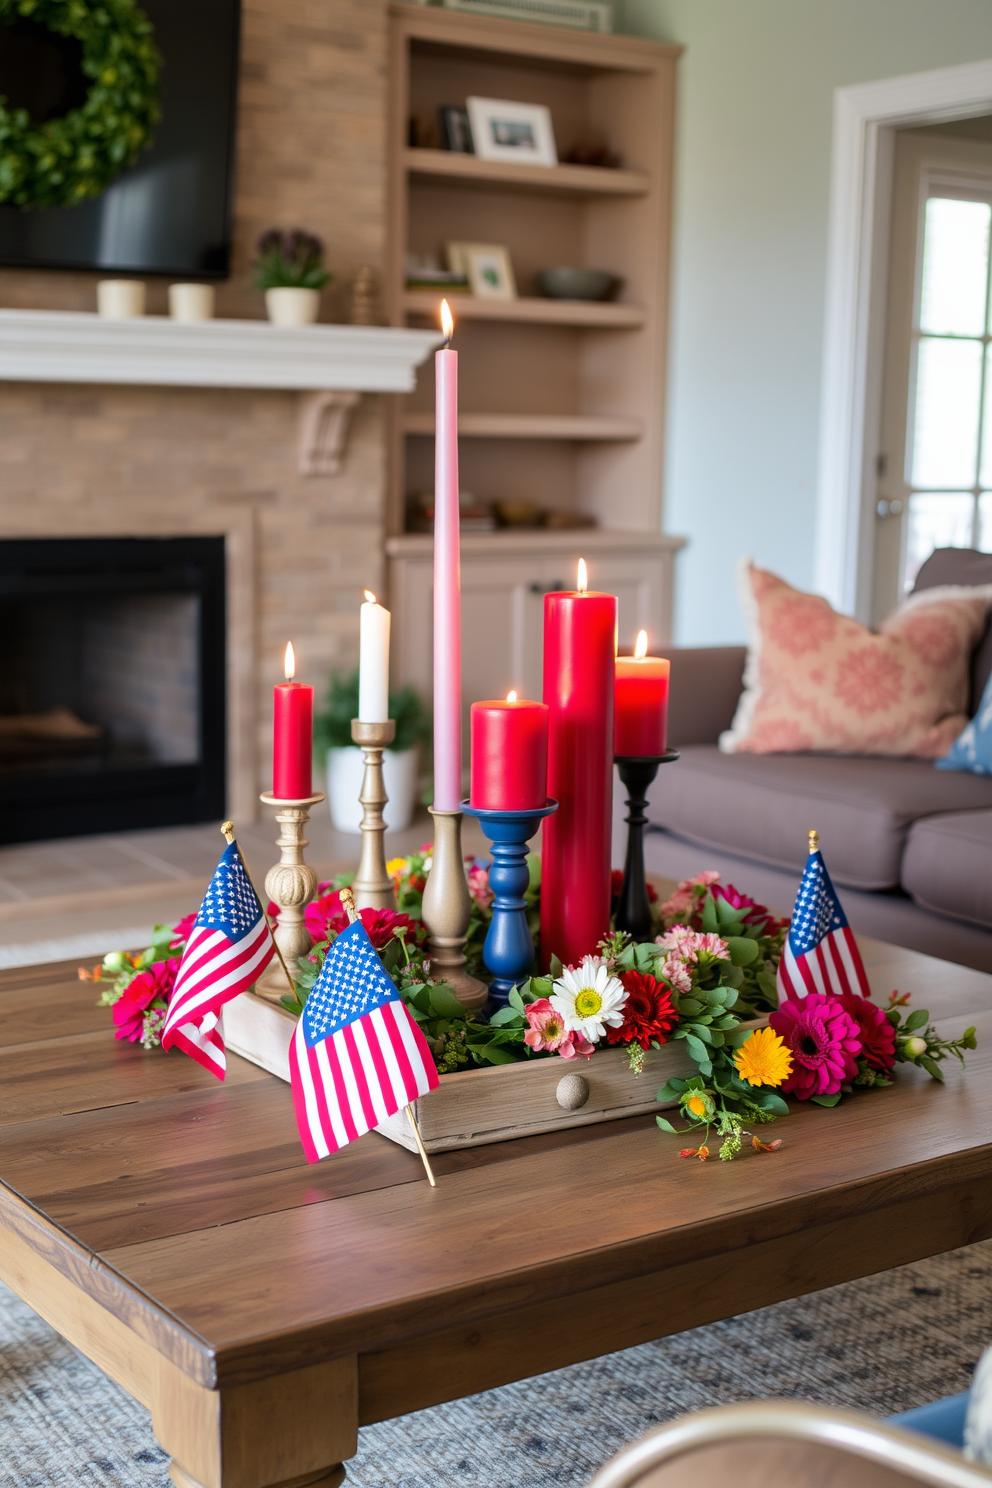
{"points": [[562, 401], [424, 304]]}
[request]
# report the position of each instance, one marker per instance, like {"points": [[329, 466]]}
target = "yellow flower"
{"points": [[397, 867], [763, 1059], [697, 1105]]}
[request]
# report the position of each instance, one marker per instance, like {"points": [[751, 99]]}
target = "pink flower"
{"points": [[130, 1008], [323, 916], [688, 895], [688, 946], [547, 1032], [673, 971], [181, 931], [478, 886], [823, 1040]]}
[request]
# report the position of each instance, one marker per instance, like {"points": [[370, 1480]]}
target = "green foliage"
{"points": [[290, 260], [67, 160], [332, 727], [755, 955]]}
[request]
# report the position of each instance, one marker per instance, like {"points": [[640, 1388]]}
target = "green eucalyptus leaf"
{"points": [[742, 951], [916, 1019], [506, 1015], [667, 1126], [826, 1100], [672, 1089], [932, 1067], [697, 1048], [444, 1002]]}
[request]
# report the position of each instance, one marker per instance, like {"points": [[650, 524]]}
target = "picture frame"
{"points": [[455, 129], [507, 131], [486, 266]]}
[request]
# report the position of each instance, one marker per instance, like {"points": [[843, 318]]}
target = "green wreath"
{"points": [[66, 160]]}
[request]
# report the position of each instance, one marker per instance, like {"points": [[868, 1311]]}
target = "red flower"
{"points": [[129, 1010], [648, 1012], [181, 931], [878, 1037], [382, 925], [823, 1040]]}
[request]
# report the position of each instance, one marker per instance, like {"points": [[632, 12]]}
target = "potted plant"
{"points": [[332, 731], [289, 267]]}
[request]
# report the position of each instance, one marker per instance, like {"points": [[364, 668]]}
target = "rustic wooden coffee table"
{"points": [[263, 1310]]}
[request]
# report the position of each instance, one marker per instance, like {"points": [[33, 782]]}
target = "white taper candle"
{"points": [[373, 675]]}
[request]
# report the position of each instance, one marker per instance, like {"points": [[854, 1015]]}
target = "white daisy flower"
{"points": [[589, 999]]}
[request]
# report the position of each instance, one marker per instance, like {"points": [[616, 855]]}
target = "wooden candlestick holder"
{"points": [[373, 888], [446, 912], [292, 883], [637, 772]]}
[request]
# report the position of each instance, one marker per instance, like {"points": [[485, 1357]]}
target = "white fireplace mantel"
{"points": [[71, 346]]}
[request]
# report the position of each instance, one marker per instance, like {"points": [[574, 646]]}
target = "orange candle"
{"points": [[640, 703]]}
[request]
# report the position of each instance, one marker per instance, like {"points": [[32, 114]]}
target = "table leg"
{"points": [[286, 1431]]}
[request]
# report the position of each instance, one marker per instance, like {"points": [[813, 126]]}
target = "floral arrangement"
{"points": [[706, 980], [290, 260]]}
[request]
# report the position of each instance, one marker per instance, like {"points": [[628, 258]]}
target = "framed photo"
{"points": [[456, 131], [512, 131], [487, 268]]}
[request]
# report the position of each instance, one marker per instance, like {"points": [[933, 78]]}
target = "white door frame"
{"points": [[865, 117]]}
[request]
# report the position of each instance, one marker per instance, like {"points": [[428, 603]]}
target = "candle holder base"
{"points": [[637, 772], [446, 912], [509, 949], [292, 883], [373, 888]]}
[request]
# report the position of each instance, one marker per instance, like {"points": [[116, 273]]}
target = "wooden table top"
{"points": [[186, 1208]]}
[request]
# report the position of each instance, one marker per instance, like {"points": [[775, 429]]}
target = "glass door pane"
{"points": [[937, 519], [945, 427], [955, 267]]}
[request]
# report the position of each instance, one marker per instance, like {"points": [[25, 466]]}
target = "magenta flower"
{"points": [[138, 996], [824, 1041], [478, 886], [757, 914], [181, 932]]}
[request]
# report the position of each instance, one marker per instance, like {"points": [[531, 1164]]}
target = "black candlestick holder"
{"points": [[637, 772]]}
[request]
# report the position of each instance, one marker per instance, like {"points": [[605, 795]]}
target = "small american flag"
{"points": [[357, 1056], [229, 947], [820, 953]]}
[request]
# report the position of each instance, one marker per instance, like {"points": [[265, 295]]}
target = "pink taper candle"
{"points": [[447, 581]]}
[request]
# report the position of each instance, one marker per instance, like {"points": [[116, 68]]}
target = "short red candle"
{"points": [[292, 737], [509, 755], [641, 698], [579, 654]]}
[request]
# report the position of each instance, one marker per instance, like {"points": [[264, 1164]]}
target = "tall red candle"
{"points": [[509, 755], [641, 698], [292, 737], [579, 652]]}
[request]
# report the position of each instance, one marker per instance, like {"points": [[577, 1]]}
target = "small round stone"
{"points": [[572, 1092]]}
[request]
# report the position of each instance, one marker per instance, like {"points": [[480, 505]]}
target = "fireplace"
{"points": [[112, 684]]}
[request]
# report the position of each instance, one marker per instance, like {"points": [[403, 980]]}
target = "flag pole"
{"points": [[227, 829], [348, 905]]}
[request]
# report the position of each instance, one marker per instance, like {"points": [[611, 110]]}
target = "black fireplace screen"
{"points": [[112, 684]]}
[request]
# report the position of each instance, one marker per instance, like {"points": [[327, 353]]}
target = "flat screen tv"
{"points": [[170, 212]]}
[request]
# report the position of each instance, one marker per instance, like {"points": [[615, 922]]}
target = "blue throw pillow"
{"points": [[972, 749]]}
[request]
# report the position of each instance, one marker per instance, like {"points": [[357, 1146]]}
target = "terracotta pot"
{"points": [[291, 306]]}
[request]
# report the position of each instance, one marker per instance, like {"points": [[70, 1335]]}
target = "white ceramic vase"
{"points": [[344, 782], [292, 306], [120, 299], [191, 303]]}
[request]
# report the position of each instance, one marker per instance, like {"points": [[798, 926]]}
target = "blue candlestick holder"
{"points": [[509, 950]]}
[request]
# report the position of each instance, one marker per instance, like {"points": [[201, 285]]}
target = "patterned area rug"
{"points": [[883, 1344]]}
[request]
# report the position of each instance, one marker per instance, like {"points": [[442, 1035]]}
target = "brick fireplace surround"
{"points": [[135, 461]]}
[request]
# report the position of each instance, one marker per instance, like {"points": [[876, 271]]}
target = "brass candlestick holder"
{"points": [[446, 911], [292, 883], [373, 887]]}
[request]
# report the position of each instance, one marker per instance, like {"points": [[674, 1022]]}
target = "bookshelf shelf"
{"points": [[526, 310]]}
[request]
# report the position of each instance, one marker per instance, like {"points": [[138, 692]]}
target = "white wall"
{"points": [[755, 116]]}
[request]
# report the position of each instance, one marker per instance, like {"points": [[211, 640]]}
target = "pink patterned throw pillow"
{"points": [[816, 680]]}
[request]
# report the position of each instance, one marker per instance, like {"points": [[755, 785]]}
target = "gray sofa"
{"points": [[908, 846]]}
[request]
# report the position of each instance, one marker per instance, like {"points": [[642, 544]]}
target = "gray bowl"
{"points": [[577, 284]]}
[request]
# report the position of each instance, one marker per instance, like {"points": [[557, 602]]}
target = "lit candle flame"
{"points": [[447, 322], [641, 648], [511, 696], [370, 597], [289, 662], [582, 581]]}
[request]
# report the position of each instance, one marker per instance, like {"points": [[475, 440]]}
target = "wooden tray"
{"points": [[494, 1104]]}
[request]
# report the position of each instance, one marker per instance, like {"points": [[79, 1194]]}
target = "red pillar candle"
{"points": [[641, 715], [509, 755], [579, 653], [292, 737]]}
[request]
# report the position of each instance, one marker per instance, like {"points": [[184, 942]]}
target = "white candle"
{"points": [[373, 676]]}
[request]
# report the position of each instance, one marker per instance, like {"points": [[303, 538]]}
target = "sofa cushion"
{"points": [[963, 566], [947, 865], [819, 680], [763, 806]]}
